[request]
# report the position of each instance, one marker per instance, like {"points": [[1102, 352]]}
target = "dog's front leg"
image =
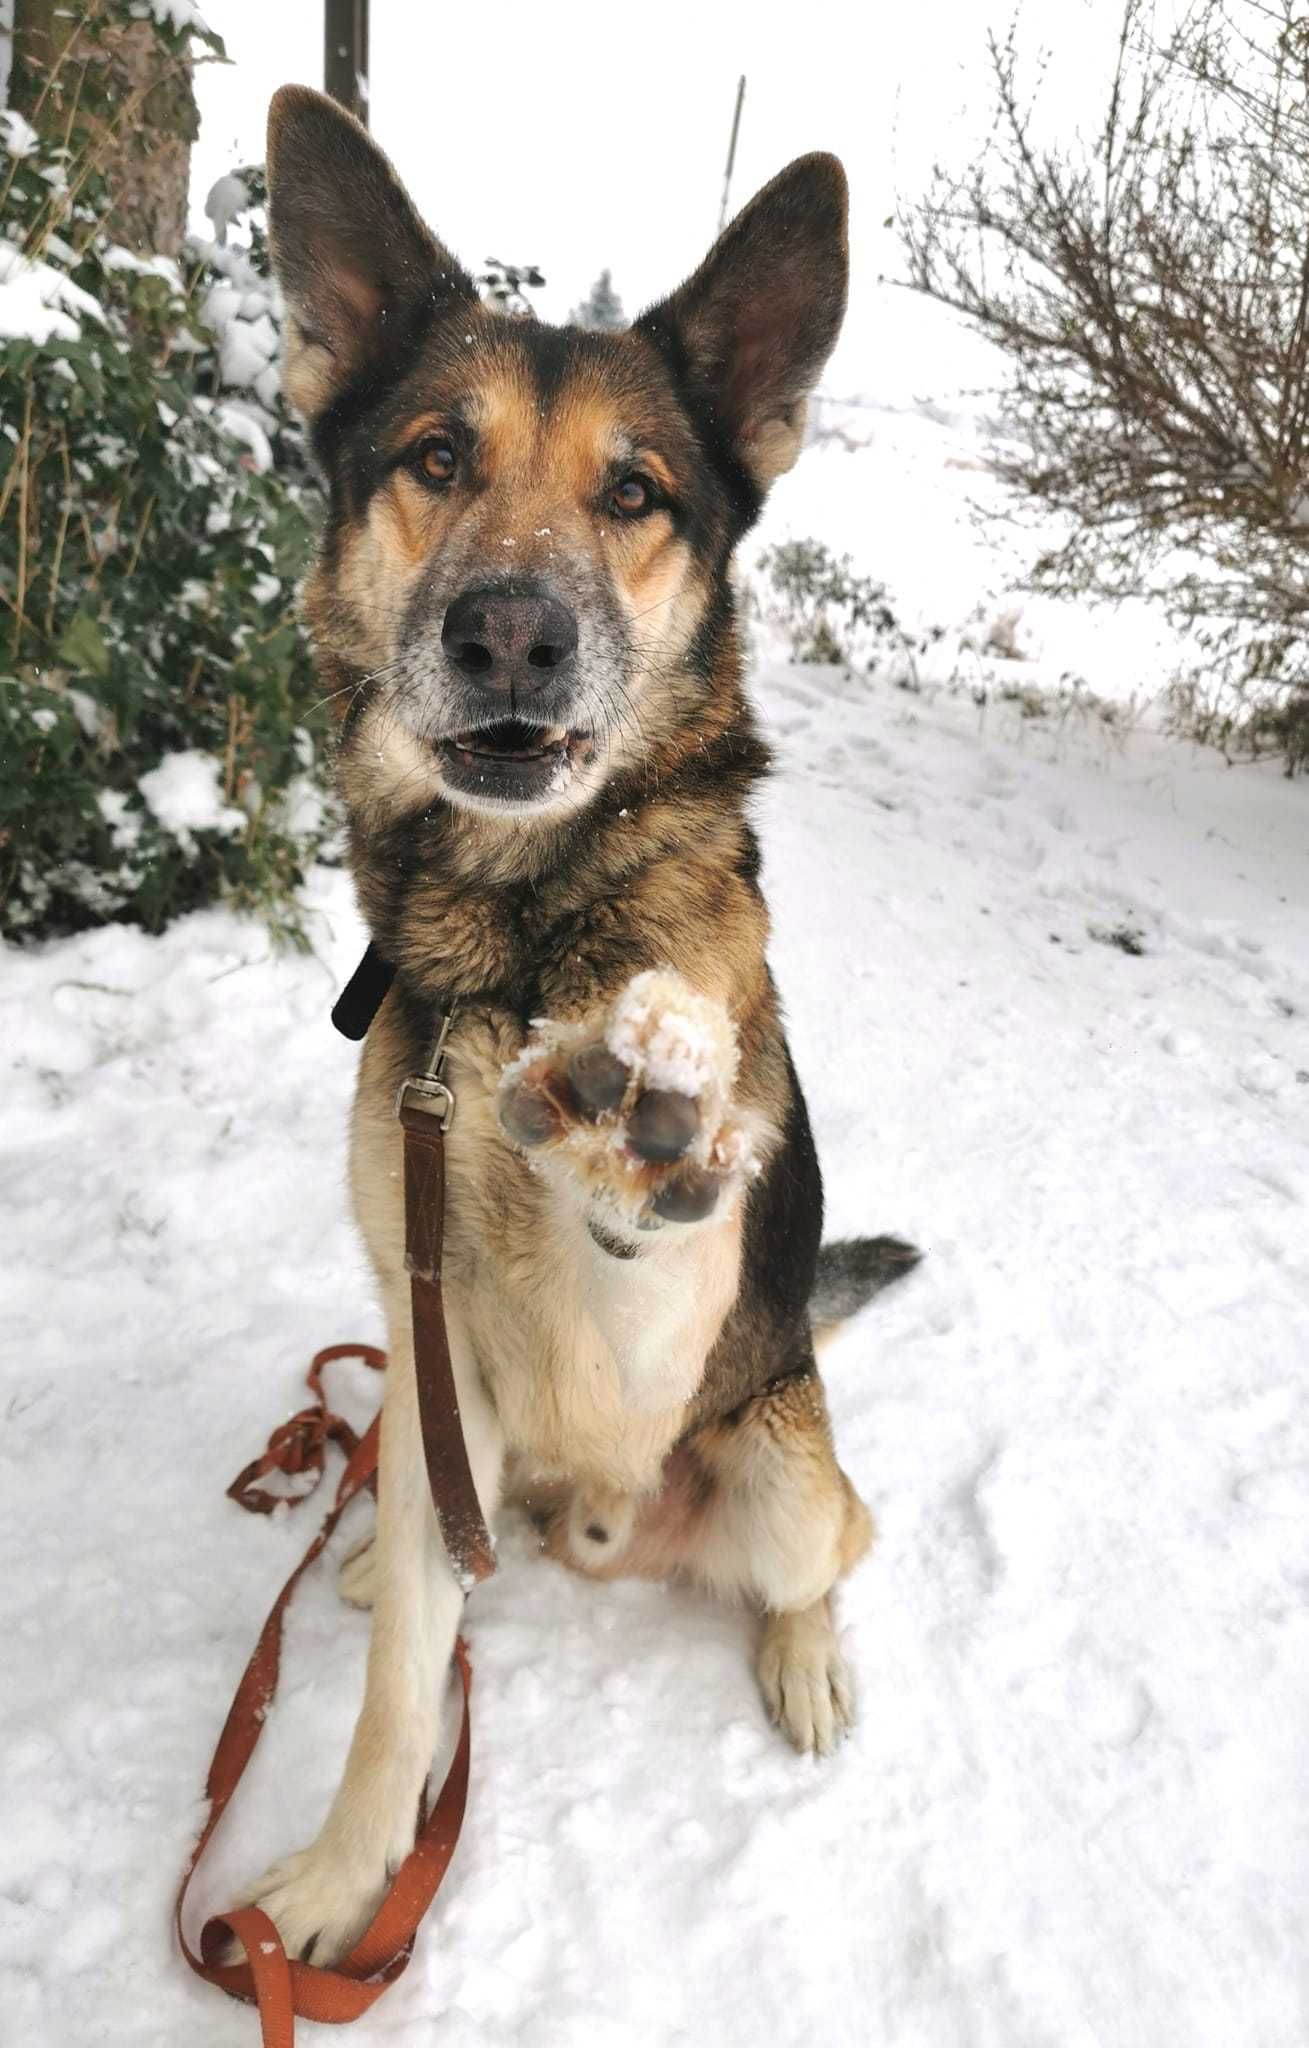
{"points": [[323, 1899]]}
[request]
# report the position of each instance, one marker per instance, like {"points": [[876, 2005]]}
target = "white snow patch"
{"points": [[87, 712], [17, 135], [246, 348], [238, 423], [125, 823], [670, 1036], [228, 196], [38, 303], [302, 811], [178, 14], [184, 793], [115, 257]]}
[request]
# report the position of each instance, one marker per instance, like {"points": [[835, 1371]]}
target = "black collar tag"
{"points": [[363, 995]]}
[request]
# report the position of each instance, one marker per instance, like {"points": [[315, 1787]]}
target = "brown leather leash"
{"points": [[426, 1107], [281, 1987]]}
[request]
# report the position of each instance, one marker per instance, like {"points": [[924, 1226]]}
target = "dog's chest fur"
{"points": [[553, 920], [591, 1359]]}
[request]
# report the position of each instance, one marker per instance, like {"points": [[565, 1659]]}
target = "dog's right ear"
{"points": [[752, 329], [355, 263]]}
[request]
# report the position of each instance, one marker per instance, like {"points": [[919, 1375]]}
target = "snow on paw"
{"points": [[805, 1680], [636, 1106], [320, 1904]]}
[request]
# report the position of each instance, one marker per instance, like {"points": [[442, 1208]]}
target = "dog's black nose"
{"points": [[509, 638]]}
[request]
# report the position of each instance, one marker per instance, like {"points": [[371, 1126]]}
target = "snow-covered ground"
{"points": [[1075, 1812], [900, 483]]}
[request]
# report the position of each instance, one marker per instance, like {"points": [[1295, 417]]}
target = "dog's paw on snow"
{"points": [[805, 1680], [637, 1104], [320, 1903]]}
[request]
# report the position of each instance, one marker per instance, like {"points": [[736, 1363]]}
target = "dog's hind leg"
{"points": [[761, 1510], [323, 1898], [804, 1678], [755, 1508]]}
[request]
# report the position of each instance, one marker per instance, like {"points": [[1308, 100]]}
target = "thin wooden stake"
{"points": [[345, 54], [25, 455], [731, 154]]}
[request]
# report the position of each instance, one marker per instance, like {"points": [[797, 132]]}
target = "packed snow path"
{"points": [[1075, 1812]]}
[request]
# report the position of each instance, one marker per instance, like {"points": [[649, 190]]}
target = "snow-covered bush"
{"points": [[1148, 284], [826, 611], [157, 729]]}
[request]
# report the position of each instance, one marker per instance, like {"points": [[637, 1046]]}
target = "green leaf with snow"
{"points": [[81, 646]]}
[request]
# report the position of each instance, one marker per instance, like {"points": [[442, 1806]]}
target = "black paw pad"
{"points": [[689, 1198], [616, 1247], [599, 1079], [662, 1125], [527, 1116]]}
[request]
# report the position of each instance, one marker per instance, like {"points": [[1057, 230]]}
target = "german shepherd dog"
{"points": [[523, 610]]}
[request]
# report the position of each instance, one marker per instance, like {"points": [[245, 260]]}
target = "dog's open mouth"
{"points": [[511, 760], [511, 740]]}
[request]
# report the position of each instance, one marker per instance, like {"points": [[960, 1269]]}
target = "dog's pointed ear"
{"points": [[355, 262], [754, 326]]}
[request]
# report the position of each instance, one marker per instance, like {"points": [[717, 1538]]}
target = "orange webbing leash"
{"points": [[280, 1987]]}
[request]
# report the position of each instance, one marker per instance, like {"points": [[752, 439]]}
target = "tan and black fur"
{"points": [[524, 612]]}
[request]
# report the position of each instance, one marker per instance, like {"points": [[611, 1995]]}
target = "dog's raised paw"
{"points": [[637, 1105]]}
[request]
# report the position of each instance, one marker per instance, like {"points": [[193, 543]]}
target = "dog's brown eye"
{"points": [[631, 497], [436, 461]]}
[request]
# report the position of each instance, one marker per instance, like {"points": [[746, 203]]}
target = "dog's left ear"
{"points": [[755, 324]]}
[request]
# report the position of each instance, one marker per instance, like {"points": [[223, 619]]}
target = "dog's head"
{"points": [[524, 572]]}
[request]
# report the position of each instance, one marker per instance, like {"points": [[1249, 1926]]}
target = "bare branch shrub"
{"points": [[1150, 289]]}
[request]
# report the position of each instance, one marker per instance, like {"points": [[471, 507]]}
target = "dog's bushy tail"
{"points": [[851, 1270]]}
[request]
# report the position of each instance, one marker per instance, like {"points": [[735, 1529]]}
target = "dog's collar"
{"points": [[366, 991], [363, 995]]}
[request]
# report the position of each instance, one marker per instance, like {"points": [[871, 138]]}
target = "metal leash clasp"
{"points": [[429, 1091]]}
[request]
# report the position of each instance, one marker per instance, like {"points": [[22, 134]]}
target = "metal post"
{"points": [[345, 54], [731, 154]]}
